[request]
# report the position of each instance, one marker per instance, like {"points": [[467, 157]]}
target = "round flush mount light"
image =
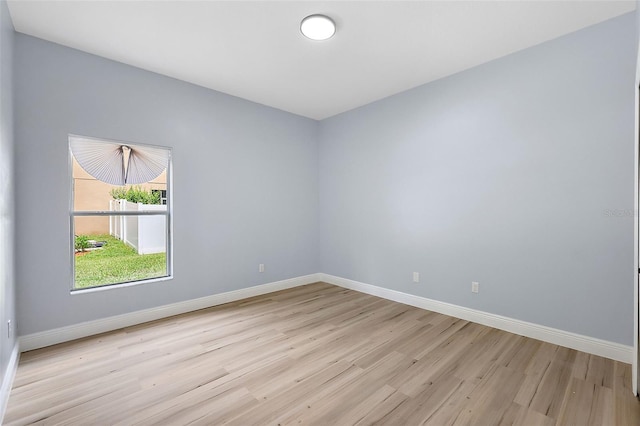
{"points": [[318, 27]]}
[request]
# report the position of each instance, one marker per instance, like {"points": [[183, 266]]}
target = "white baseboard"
{"points": [[579, 342], [89, 328], [7, 383], [567, 339]]}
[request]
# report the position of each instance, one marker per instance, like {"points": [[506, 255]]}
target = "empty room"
{"points": [[328, 213]]}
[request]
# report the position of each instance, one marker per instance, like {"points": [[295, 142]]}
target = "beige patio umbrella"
{"points": [[117, 163]]}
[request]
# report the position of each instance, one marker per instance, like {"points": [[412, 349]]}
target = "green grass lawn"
{"points": [[117, 263]]}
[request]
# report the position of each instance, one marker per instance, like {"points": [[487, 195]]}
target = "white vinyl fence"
{"points": [[146, 234]]}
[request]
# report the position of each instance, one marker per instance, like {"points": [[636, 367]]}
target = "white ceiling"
{"points": [[254, 49]]}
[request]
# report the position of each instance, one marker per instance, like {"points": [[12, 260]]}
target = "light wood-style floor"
{"points": [[321, 355]]}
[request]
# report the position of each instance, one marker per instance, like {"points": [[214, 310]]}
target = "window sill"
{"points": [[122, 285]]}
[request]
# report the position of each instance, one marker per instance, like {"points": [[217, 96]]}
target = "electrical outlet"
{"points": [[475, 287], [261, 267], [416, 277]]}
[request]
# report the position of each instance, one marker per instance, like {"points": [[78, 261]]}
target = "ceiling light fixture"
{"points": [[318, 27]]}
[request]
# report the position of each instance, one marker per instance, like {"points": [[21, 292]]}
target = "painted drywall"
{"points": [[245, 182], [7, 200], [636, 292], [517, 174]]}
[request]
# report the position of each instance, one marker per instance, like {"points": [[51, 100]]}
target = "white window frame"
{"points": [[163, 200], [168, 213]]}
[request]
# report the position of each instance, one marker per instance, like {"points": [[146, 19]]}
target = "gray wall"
{"points": [[517, 174], [245, 182], [7, 223]]}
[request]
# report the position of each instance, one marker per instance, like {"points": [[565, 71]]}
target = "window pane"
{"points": [[112, 176], [132, 248], [91, 194]]}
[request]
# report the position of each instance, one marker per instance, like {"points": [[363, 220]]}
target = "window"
{"points": [[120, 212], [162, 193]]}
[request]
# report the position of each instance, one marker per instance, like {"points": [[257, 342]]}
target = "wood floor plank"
{"points": [[359, 411], [553, 386], [317, 354], [487, 401], [432, 398], [520, 416], [626, 408]]}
